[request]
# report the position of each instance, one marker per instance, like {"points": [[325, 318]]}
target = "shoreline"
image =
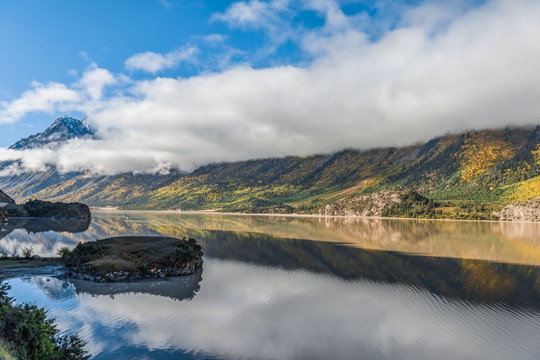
{"points": [[10, 267], [205, 212]]}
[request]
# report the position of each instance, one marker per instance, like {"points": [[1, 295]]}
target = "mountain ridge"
{"points": [[62, 129], [475, 174]]}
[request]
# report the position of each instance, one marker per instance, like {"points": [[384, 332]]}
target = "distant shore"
{"points": [[210, 212]]}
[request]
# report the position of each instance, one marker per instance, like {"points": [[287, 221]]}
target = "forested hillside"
{"points": [[469, 175]]}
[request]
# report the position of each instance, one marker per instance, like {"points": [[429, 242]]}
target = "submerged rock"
{"points": [[133, 258]]}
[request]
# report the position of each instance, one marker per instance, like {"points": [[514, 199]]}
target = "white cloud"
{"points": [[273, 17], [479, 69], [43, 98], [215, 38], [94, 80], [153, 62], [255, 13], [53, 97]]}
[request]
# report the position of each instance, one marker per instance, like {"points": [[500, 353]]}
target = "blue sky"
{"points": [[51, 40], [258, 78], [55, 40], [43, 41]]}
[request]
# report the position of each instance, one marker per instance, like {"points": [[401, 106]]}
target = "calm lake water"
{"points": [[302, 288]]}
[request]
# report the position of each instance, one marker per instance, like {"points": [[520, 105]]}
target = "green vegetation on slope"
{"points": [[468, 175]]}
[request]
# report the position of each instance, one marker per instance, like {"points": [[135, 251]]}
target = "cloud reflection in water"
{"points": [[250, 311]]}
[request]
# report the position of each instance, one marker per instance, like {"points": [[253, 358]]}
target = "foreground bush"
{"points": [[26, 328]]}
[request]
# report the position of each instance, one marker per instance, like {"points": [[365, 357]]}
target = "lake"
{"points": [[301, 288]]}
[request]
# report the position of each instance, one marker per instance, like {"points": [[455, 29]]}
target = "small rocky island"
{"points": [[133, 258]]}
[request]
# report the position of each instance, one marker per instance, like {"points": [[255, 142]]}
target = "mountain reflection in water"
{"points": [[45, 236], [33, 225], [274, 294], [471, 280], [504, 242], [243, 310]]}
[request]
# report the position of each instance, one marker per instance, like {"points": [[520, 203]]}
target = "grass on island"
{"points": [[134, 254]]}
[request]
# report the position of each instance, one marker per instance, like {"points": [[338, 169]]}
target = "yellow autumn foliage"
{"points": [[523, 190], [481, 151], [536, 155]]}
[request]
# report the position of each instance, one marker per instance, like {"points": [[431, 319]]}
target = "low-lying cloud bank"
{"points": [[441, 69]]}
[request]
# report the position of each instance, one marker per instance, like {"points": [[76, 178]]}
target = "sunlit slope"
{"points": [[475, 172]]}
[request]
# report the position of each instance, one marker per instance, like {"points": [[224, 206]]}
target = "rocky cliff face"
{"points": [[528, 210], [363, 205]]}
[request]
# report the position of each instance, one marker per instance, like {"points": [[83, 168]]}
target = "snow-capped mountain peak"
{"points": [[63, 129]]}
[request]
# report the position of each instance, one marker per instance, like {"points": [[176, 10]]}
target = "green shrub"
{"points": [[28, 329], [85, 252], [63, 252]]}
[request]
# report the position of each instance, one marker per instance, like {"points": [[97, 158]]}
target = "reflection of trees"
{"points": [[472, 280], [267, 241], [501, 242], [45, 236], [118, 225], [177, 288], [270, 241], [43, 225]]}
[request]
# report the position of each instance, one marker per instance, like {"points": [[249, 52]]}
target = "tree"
{"points": [[35, 336]]}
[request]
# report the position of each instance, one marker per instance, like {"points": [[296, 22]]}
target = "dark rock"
{"points": [[4, 198], [46, 209], [13, 210], [6, 205]]}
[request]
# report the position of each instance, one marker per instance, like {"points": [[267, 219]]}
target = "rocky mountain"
{"points": [[4, 198], [474, 175], [63, 129]]}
